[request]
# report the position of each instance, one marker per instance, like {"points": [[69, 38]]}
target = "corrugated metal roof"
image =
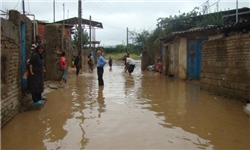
{"points": [[74, 20], [201, 29]]}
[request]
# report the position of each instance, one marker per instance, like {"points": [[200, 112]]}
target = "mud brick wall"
{"points": [[55, 44], [11, 90], [226, 66], [10, 71]]}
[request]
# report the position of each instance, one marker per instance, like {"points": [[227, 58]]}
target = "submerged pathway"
{"points": [[141, 111]]}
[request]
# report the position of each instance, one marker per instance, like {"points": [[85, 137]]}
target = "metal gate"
{"points": [[194, 58]]}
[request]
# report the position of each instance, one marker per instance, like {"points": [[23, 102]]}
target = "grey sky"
{"points": [[116, 15]]}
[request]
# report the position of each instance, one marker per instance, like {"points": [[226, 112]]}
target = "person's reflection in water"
{"points": [[129, 85], [100, 100]]}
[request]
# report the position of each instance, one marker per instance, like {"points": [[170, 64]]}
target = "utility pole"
{"points": [[54, 10], [63, 32], [23, 7], [127, 41], [80, 29], [90, 33], [79, 26], [236, 11]]}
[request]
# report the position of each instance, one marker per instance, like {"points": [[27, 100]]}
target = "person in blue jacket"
{"points": [[101, 62]]}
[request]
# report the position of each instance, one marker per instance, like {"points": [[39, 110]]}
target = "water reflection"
{"points": [[129, 85], [100, 100], [204, 119], [141, 111], [168, 99]]}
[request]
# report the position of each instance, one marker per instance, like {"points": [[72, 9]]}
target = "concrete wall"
{"points": [[11, 90], [226, 66]]}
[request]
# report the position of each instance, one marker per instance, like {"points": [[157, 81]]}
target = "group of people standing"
{"points": [[36, 69]]}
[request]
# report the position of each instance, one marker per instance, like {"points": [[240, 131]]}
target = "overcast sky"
{"points": [[117, 15]]}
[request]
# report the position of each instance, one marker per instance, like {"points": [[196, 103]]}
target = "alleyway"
{"points": [[141, 111]]}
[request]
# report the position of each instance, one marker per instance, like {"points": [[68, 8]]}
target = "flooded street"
{"points": [[141, 111]]}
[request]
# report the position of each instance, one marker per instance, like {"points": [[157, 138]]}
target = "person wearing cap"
{"points": [[37, 42]]}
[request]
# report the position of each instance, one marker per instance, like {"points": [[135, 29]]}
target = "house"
{"points": [[183, 49], [57, 38], [217, 55], [16, 36]]}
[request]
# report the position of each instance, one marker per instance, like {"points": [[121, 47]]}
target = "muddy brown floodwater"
{"points": [[141, 111]]}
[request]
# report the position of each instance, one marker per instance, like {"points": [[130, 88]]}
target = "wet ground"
{"points": [[141, 111]]}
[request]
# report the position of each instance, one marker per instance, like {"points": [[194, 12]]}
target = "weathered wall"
{"points": [[165, 58], [182, 72], [226, 66], [144, 60], [11, 90], [55, 44], [175, 58]]}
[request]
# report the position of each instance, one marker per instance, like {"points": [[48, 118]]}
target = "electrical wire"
{"points": [[29, 6], [58, 9], [17, 4]]}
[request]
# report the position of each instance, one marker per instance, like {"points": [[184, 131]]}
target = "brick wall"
{"points": [[226, 66], [41, 30], [10, 71], [11, 90]]}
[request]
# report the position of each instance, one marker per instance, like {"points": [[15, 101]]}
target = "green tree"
{"points": [[85, 38], [140, 38]]}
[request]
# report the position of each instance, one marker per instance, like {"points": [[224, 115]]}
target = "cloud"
{"points": [[117, 15]]}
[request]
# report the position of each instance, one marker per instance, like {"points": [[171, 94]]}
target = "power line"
{"points": [[29, 6], [17, 4], [58, 10]]}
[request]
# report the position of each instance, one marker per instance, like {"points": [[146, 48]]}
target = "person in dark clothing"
{"points": [[100, 64], [110, 61], [35, 78], [37, 42], [91, 62], [77, 63]]}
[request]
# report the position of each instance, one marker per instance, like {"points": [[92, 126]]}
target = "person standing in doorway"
{"points": [[38, 41], [100, 64], [159, 64], [77, 63], [63, 65], [35, 77]]}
